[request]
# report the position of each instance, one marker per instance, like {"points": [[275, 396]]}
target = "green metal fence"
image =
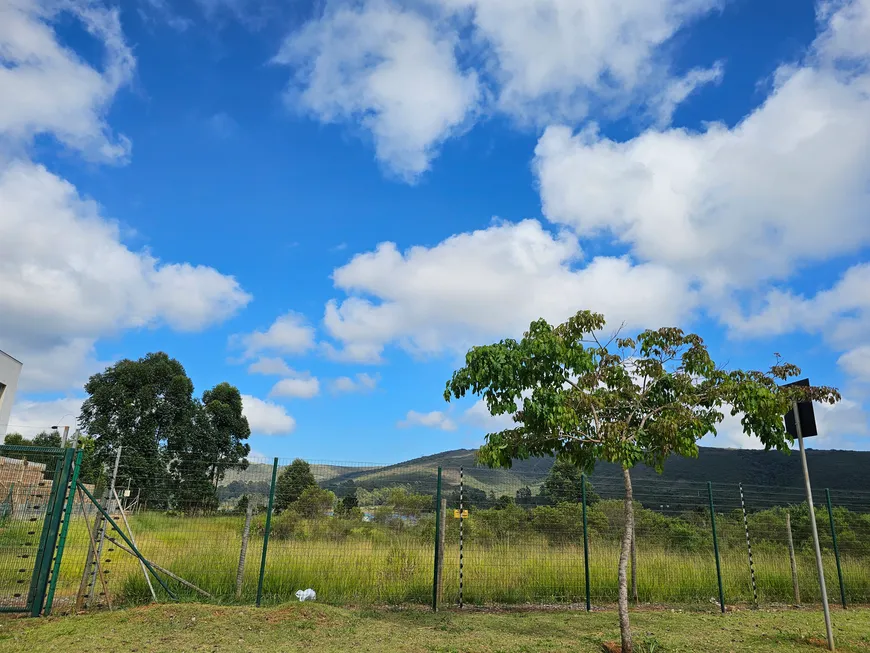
{"points": [[36, 482], [371, 534]]}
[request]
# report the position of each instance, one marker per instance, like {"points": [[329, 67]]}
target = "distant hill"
{"points": [[769, 478]]}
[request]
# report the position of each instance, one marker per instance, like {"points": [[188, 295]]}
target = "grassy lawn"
{"points": [[316, 627]]}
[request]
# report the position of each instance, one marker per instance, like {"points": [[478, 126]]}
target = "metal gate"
{"points": [[36, 484]]}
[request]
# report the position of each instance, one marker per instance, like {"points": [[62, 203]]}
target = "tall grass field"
{"points": [[355, 563]]}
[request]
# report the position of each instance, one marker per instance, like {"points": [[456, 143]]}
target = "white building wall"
{"points": [[10, 370]]}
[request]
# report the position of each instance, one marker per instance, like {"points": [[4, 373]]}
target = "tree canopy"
{"points": [[176, 448], [623, 400], [292, 482]]}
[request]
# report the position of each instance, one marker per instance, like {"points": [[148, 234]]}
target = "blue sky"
{"points": [[327, 203]]}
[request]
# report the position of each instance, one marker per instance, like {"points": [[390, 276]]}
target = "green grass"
{"points": [[326, 629], [359, 564], [373, 565]]}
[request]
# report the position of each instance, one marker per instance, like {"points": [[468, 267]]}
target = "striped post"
{"points": [[461, 482], [748, 547]]}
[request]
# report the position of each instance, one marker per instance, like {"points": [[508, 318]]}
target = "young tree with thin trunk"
{"points": [[624, 400]]}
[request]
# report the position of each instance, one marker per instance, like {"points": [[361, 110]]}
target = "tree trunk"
{"points": [[624, 625]]}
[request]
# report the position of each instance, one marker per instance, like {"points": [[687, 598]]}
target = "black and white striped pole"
{"points": [[461, 482], [748, 548]]}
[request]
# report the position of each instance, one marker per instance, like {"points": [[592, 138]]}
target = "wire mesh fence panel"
{"points": [[362, 534], [192, 538], [25, 487]]}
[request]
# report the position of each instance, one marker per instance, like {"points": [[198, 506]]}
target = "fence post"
{"points": [[58, 497], [794, 574], [748, 548], [585, 540], [42, 549], [836, 548], [61, 543], [442, 532], [267, 531], [716, 547], [436, 571], [246, 532], [461, 561]]}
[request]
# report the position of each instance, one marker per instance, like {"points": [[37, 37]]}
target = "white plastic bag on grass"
{"points": [[306, 595]]}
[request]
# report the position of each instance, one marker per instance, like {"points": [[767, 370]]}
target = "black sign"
{"points": [[805, 412]]}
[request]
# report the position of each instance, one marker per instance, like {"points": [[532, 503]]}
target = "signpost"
{"points": [[801, 423]]}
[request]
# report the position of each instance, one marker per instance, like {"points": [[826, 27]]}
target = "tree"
{"points": [[16, 439], [314, 502], [524, 496], [292, 482], [50, 439], [624, 401], [565, 483], [175, 448]]}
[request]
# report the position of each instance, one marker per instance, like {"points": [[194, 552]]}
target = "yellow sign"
{"points": [[456, 514]]}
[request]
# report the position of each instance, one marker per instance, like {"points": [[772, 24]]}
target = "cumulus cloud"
{"points": [[415, 73], [266, 417], [856, 363], [68, 279], [478, 416], [553, 59], [391, 70], [433, 420], [487, 284], [288, 334], [270, 367], [734, 206], [299, 388], [360, 383], [32, 417], [47, 88]]}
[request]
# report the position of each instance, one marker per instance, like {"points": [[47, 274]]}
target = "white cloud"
{"points": [[47, 88], [434, 420], [68, 280], [734, 206], [841, 312], [266, 417], [856, 363], [31, 417], [288, 334], [489, 284], [300, 388], [552, 59], [360, 383], [270, 367], [394, 68], [677, 90], [478, 415], [391, 70]]}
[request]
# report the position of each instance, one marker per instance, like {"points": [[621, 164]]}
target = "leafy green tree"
{"points": [[564, 483], [227, 429], [50, 439], [624, 400], [175, 448], [524, 496], [292, 482], [314, 502], [16, 439]]}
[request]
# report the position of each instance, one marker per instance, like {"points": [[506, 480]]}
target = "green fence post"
{"points": [[61, 543], [716, 547], [437, 539], [47, 501], [266, 533], [585, 540], [56, 506], [836, 548]]}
